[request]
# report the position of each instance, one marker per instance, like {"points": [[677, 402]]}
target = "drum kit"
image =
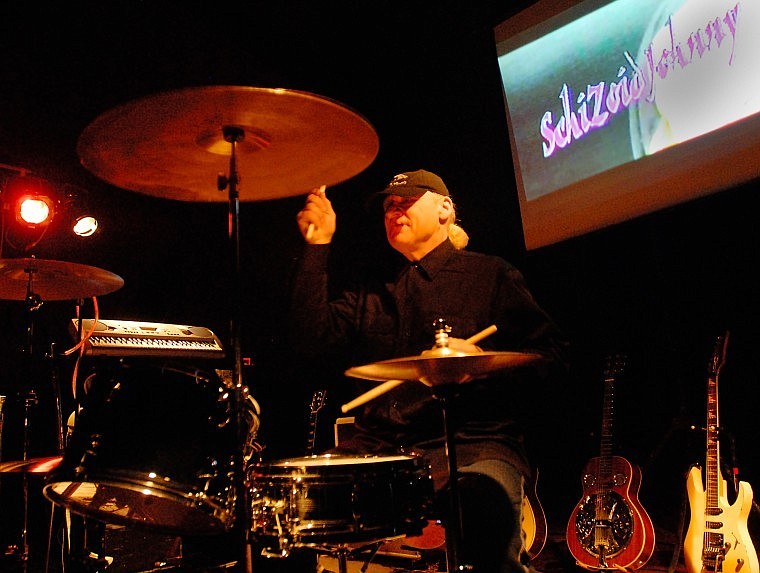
{"points": [[280, 143]]}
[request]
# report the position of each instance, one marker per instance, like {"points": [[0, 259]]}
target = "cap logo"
{"points": [[400, 179]]}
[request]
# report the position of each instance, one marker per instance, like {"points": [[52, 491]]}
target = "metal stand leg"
{"points": [[55, 510], [445, 395], [29, 400]]}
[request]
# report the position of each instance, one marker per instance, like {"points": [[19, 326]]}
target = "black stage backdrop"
{"points": [[658, 289]]}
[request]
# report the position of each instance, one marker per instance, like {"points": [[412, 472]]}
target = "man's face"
{"points": [[413, 224]]}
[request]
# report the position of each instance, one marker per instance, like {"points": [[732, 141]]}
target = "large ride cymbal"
{"points": [[172, 145], [434, 368], [54, 280]]}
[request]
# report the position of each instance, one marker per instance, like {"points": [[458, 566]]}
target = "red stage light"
{"points": [[31, 199]]}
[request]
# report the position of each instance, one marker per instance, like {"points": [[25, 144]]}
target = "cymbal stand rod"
{"points": [[61, 447], [234, 135], [57, 397], [444, 394], [29, 400], [33, 303], [2, 403]]}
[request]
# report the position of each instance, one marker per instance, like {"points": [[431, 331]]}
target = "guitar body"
{"points": [[534, 526], [625, 538], [718, 543]]}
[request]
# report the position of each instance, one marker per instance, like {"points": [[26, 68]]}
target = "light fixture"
{"points": [[32, 201], [81, 220], [32, 208], [85, 226]]}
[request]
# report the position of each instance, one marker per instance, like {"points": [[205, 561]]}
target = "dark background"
{"points": [[658, 289]]}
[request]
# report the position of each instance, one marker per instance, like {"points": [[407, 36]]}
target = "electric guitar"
{"points": [[717, 539], [609, 528], [317, 403]]}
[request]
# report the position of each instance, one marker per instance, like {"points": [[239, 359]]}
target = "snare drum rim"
{"points": [[340, 460]]}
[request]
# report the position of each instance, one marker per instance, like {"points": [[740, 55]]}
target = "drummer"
{"points": [[392, 312]]}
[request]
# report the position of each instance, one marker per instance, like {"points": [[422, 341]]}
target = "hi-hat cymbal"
{"points": [[443, 368], [172, 145], [54, 280], [32, 465]]}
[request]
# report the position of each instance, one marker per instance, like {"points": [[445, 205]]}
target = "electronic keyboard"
{"points": [[132, 338]]}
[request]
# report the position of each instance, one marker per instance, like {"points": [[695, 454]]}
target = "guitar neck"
{"points": [[712, 460], [605, 448]]}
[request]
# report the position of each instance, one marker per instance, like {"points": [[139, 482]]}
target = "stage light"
{"points": [[85, 226], [82, 221], [34, 210], [32, 200]]}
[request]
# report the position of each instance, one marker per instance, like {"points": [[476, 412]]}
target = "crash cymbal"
{"points": [[54, 280], [32, 465], [442, 366], [172, 145]]}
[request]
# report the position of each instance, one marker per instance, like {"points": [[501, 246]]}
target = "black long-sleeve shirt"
{"points": [[395, 315]]}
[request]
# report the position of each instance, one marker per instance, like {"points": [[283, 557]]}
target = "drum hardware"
{"points": [[443, 370], [364, 554], [386, 556], [36, 281], [284, 142]]}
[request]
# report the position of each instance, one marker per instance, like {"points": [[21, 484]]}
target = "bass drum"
{"points": [[333, 500], [152, 445]]}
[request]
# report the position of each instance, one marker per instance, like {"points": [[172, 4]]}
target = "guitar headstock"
{"points": [[318, 401], [719, 354], [613, 366]]}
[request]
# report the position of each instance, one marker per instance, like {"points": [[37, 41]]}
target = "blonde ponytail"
{"points": [[458, 236]]}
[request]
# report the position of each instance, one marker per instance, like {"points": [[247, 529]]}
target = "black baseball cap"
{"points": [[415, 183]]}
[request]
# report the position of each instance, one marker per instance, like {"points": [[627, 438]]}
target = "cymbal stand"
{"points": [[445, 393], [234, 135], [33, 303], [61, 442], [2, 403]]}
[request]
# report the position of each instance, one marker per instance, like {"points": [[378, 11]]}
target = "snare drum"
{"points": [[153, 445], [332, 499]]}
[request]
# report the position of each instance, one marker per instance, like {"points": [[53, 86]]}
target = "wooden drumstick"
{"points": [[310, 230], [391, 384]]}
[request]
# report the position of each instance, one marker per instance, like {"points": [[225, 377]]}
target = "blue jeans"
{"points": [[491, 495]]}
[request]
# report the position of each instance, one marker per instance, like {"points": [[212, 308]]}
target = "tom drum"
{"points": [[152, 445]]}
